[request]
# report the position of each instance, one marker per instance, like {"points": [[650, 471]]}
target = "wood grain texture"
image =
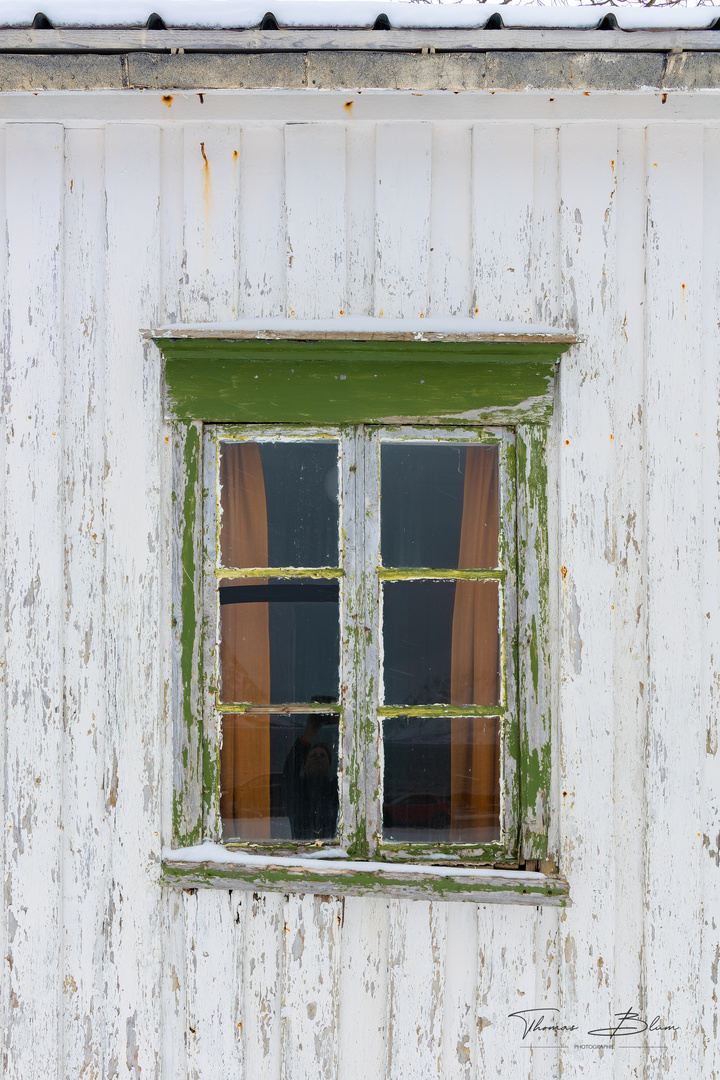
{"points": [[587, 456], [85, 835], [316, 225], [675, 744], [262, 222], [402, 217], [137, 652], [34, 601]]}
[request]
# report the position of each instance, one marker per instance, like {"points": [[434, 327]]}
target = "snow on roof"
{"points": [[347, 14]]}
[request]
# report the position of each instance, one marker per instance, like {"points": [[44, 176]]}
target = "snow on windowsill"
{"points": [[334, 859]]}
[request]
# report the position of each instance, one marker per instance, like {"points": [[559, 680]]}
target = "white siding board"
{"points": [[34, 600], [137, 651], [506, 983], [363, 989], [85, 838], [629, 660], [459, 1034], [262, 975], [710, 606], [587, 189], [5, 540], [311, 965], [450, 255], [173, 269], [545, 290], [503, 166], [402, 219], [263, 261], [360, 217], [416, 961], [315, 201], [211, 157], [676, 735], [214, 992], [173, 988]]}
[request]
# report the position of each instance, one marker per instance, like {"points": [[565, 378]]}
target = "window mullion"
{"points": [[368, 513]]}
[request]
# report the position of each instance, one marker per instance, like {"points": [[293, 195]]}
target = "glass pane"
{"points": [[441, 642], [441, 779], [439, 506], [278, 777], [279, 504], [280, 640]]}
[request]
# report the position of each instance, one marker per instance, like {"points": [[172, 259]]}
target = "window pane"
{"points": [[441, 642], [274, 786], [439, 506], [280, 640], [279, 504], [441, 779]]}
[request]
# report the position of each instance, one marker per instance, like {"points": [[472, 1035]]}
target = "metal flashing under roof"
{"points": [[67, 26]]}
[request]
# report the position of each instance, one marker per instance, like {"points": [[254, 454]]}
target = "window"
{"points": [[364, 616], [360, 601]]}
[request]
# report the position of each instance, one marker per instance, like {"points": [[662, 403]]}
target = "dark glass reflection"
{"points": [[441, 642], [279, 777], [283, 649], [427, 491], [441, 779], [279, 504]]}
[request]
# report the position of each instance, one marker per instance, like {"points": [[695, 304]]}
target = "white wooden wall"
{"points": [[610, 227]]}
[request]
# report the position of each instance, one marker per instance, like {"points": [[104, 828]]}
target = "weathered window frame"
{"points": [[196, 769]]}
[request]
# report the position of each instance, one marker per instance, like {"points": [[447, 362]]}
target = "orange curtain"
{"points": [[244, 648], [474, 679]]}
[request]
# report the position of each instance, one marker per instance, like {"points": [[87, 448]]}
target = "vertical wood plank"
{"points": [[416, 994], [587, 556], [505, 984], [211, 182], [173, 270], [262, 223], [5, 969], [85, 837], [450, 256], [710, 594], [676, 728], [262, 980], [137, 497], [310, 987], [360, 217], [402, 219], [459, 1044], [502, 191], [173, 986], [214, 992], [315, 200], [363, 989], [34, 599], [629, 662], [545, 251]]}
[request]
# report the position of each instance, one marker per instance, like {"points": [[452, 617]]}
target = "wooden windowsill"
{"points": [[213, 866]]}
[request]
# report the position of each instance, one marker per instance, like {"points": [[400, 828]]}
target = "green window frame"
{"points": [[525, 572]]}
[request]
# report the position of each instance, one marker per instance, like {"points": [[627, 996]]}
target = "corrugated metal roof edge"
{"points": [[344, 14]]}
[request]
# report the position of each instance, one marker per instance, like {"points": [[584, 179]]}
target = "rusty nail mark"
{"points": [[202, 98], [235, 155], [202, 151], [348, 105], [167, 99], [563, 571], [664, 98]]}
